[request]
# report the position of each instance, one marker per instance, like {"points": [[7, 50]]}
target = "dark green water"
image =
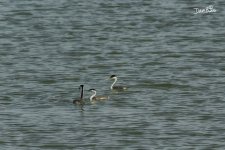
{"points": [[172, 60]]}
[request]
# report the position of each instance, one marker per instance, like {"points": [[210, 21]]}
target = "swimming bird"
{"points": [[114, 77], [94, 98], [80, 101]]}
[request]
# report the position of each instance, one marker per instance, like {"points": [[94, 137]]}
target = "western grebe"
{"points": [[80, 101], [114, 77], [97, 98]]}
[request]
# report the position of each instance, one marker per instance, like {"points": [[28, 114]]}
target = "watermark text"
{"points": [[208, 9]]}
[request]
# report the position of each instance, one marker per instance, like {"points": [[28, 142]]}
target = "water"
{"points": [[171, 59]]}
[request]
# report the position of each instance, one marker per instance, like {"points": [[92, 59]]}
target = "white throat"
{"points": [[115, 79], [93, 95]]}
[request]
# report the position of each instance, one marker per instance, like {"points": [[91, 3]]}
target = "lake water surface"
{"points": [[172, 60]]}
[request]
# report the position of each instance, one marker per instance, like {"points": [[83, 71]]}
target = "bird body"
{"points": [[80, 101], [113, 87], [94, 98]]}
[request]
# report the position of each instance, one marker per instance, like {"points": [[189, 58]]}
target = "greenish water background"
{"points": [[171, 59]]}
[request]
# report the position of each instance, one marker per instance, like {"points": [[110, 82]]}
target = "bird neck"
{"points": [[82, 92], [93, 95], [115, 79]]}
